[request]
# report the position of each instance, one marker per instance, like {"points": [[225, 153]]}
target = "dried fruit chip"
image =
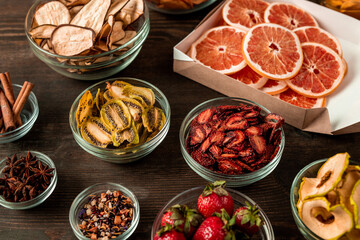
{"points": [[72, 3], [68, 40], [96, 132], [152, 119], [115, 7], [135, 107], [129, 34], [131, 11], [115, 114], [42, 31], [117, 33], [130, 135], [145, 95], [84, 108], [54, 13], [75, 10]]}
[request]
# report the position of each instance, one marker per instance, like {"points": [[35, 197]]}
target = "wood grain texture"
{"points": [[155, 178]]}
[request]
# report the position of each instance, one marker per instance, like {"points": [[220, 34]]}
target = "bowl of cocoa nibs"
{"points": [[27, 179], [104, 211], [233, 139]]}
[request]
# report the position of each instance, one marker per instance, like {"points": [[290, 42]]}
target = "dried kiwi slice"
{"points": [[115, 114], [144, 95], [116, 88], [153, 119], [99, 99], [107, 95], [130, 135], [84, 108], [135, 107], [94, 131]]}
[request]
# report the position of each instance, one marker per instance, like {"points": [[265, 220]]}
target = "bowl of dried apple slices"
{"points": [[120, 120], [87, 39]]}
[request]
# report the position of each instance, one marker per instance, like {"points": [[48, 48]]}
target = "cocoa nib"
{"points": [[234, 139]]}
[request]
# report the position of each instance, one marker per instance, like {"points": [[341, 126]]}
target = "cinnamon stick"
{"points": [[7, 86], [8, 116], [21, 100]]}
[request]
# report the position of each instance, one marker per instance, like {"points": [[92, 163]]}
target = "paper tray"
{"points": [[342, 112]]}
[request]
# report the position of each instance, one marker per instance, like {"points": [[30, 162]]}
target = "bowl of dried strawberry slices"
{"points": [[233, 139]]}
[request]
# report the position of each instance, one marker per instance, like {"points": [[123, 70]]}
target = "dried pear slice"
{"points": [[84, 108], [72, 3], [115, 7], [116, 115], [54, 13], [92, 15], [131, 11], [135, 107], [152, 118], [130, 135], [129, 34], [108, 96], [75, 10], [116, 88], [99, 99], [325, 221], [68, 40], [43, 31], [355, 201], [145, 95], [94, 131], [117, 33]]}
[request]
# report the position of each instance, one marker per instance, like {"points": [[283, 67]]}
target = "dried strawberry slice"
{"points": [[254, 130], [215, 150], [197, 135], [239, 137], [251, 114], [202, 158], [258, 143], [245, 166], [246, 152], [205, 115], [236, 123], [228, 166], [229, 155], [217, 137], [205, 145]]}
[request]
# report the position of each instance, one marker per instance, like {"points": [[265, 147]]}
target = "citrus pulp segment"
{"points": [[273, 51], [273, 87], [250, 77], [318, 35], [244, 13], [321, 73], [288, 15], [296, 99], [220, 49]]}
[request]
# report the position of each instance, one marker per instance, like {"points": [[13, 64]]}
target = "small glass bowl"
{"points": [[122, 155], [28, 117], [153, 6], [211, 176], [84, 67], [190, 198], [83, 197], [38, 199]]}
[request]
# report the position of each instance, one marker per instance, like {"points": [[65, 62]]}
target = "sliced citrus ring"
{"points": [[273, 87], [250, 77], [318, 35], [220, 49], [289, 16], [296, 99], [273, 51], [321, 73], [244, 13]]}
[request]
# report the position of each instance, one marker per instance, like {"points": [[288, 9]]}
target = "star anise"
{"points": [[12, 165], [43, 172], [29, 162]]}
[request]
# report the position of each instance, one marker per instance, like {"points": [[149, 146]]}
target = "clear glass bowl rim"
{"points": [[268, 225], [73, 219], [147, 144], [245, 176], [44, 195], [139, 33], [196, 8]]}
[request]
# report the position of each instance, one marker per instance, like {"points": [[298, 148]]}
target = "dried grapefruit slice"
{"points": [[321, 73], [220, 49], [250, 77], [273, 51], [244, 13], [289, 16], [296, 99], [273, 87], [318, 35]]}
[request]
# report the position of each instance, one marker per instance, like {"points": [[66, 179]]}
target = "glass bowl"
{"points": [[99, 188], [94, 66], [190, 198], [211, 176], [153, 6], [38, 199], [122, 155], [28, 115]]}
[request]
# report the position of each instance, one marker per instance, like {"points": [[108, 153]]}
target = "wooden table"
{"points": [[154, 179]]}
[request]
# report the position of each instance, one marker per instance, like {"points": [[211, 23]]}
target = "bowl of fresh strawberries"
{"points": [[213, 212]]}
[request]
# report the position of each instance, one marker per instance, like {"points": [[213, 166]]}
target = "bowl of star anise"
{"points": [[233, 139], [27, 179]]}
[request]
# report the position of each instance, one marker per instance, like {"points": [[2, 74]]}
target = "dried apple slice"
{"points": [[54, 13], [92, 15], [131, 12], [117, 33], [94, 131], [355, 201], [69, 40], [84, 108], [42, 31], [115, 114]]}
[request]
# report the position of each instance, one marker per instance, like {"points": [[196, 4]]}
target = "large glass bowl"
{"points": [[28, 116], [190, 198], [97, 189], [117, 155], [153, 6], [38, 199], [84, 67], [211, 176]]}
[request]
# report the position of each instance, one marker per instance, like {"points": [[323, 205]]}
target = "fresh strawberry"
{"points": [[248, 219], [183, 218], [214, 198], [168, 232]]}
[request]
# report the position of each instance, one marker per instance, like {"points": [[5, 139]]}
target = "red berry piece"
{"points": [[170, 235], [248, 219]]}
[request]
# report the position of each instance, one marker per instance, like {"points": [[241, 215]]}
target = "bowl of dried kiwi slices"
{"points": [[120, 120]]}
